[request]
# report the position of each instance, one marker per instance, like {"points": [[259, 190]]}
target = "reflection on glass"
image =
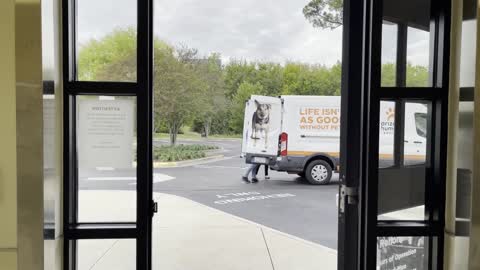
{"points": [[421, 124], [409, 19], [401, 188], [386, 136], [106, 159], [107, 40], [415, 134], [418, 57], [106, 254], [389, 54], [402, 253]]}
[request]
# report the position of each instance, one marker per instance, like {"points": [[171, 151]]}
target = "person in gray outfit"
{"points": [[253, 169]]}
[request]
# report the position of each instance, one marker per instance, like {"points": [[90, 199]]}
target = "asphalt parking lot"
{"points": [[284, 202]]}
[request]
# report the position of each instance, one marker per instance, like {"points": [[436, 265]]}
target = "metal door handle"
{"points": [[154, 207]]}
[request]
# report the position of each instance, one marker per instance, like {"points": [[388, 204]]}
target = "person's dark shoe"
{"points": [[245, 179], [254, 180]]}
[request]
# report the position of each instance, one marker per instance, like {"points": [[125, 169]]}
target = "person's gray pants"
{"points": [[252, 169]]}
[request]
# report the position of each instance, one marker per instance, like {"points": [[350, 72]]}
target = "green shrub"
{"points": [[181, 152]]}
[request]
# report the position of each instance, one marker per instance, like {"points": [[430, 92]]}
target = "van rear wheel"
{"points": [[318, 172]]}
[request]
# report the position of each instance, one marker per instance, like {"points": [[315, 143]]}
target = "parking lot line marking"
{"points": [[157, 178], [112, 178], [218, 167]]}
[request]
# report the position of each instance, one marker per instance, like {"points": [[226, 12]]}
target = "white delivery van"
{"points": [[301, 134]]}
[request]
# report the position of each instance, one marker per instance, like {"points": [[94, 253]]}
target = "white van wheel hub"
{"points": [[319, 173]]}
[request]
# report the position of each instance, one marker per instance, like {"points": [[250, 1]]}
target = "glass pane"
{"points": [[411, 21], [387, 133], [408, 253], [418, 57], [107, 40], [401, 188], [389, 54], [415, 133], [106, 254], [106, 146]]}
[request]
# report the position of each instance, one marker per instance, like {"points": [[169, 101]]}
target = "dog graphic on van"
{"points": [[261, 122]]}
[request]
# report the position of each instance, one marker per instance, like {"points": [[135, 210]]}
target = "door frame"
{"points": [[142, 89], [361, 95]]}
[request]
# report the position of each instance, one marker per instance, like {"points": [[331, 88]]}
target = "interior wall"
{"points": [[8, 160], [474, 254], [21, 196], [451, 238], [28, 66]]}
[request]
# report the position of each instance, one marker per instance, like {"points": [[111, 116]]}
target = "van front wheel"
{"points": [[319, 172]]}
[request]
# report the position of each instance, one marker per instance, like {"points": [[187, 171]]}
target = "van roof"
{"points": [[292, 97]]}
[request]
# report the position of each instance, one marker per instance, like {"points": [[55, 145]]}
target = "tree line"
{"points": [[205, 93]]}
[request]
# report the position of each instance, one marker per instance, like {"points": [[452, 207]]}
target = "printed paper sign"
{"points": [[401, 253], [105, 133]]}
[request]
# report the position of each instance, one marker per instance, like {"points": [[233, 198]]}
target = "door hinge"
{"points": [[154, 207], [348, 195]]}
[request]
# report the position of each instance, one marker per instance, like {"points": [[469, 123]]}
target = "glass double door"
{"points": [[394, 122], [108, 206], [392, 175]]}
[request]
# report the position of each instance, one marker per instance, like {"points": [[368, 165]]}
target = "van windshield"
{"points": [[421, 124]]}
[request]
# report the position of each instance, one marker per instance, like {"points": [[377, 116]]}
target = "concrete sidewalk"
{"points": [[190, 236]]}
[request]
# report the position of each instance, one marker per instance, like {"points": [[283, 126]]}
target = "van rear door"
{"points": [[262, 126]]}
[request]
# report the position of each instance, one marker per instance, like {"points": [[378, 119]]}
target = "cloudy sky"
{"points": [[264, 30], [268, 30]]}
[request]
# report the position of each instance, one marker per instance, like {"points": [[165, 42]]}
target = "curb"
{"points": [[158, 164], [203, 140]]}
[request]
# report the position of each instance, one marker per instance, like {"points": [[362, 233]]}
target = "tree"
{"points": [[269, 75], [388, 75], [335, 80], [237, 72], [213, 97], [324, 13], [245, 90], [417, 75], [177, 89], [304, 79], [112, 58], [200, 90]]}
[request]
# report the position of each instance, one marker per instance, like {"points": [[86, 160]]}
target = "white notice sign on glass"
{"points": [[105, 133]]}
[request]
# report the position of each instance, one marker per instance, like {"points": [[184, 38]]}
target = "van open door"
{"points": [[262, 127]]}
